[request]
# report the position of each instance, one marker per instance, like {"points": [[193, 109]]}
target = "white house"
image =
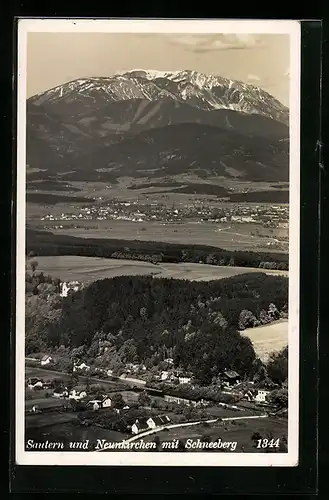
{"points": [[164, 375], [77, 395], [82, 366], [184, 380], [67, 287], [109, 373], [139, 426], [45, 360], [106, 402], [261, 396], [96, 404]]}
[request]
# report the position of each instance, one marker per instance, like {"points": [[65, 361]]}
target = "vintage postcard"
{"points": [[157, 317]]}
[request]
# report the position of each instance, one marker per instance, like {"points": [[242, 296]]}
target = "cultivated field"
{"points": [[232, 236], [88, 269], [268, 338]]}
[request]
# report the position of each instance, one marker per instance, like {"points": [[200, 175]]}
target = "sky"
{"points": [[56, 58]]}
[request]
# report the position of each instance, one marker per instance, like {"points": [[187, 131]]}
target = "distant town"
{"points": [[134, 211]]}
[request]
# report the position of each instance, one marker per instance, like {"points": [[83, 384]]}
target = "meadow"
{"points": [[88, 269], [268, 338]]}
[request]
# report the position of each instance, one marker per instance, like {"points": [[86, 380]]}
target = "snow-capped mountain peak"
{"points": [[204, 91]]}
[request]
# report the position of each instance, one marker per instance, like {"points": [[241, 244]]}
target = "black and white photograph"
{"points": [[157, 242]]}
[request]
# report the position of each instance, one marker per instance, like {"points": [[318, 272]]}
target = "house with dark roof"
{"points": [[140, 425], [35, 383], [231, 377], [158, 421]]}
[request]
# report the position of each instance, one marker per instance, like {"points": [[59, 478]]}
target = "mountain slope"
{"points": [[135, 115], [191, 148], [53, 143]]}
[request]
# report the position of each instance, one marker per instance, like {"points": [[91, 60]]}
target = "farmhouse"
{"points": [[261, 396], [82, 366], [96, 404], [140, 425], [77, 395], [158, 421], [45, 360], [184, 380], [231, 377], [34, 383]]}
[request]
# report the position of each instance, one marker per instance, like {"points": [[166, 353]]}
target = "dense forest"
{"points": [[47, 243], [134, 319]]}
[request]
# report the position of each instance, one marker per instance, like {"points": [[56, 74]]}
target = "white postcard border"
{"points": [[289, 459]]}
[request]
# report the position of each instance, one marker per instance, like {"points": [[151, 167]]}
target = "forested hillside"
{"points": [[137, 319]]}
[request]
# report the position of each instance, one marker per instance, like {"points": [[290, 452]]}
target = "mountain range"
{"points": [[155, 124]]}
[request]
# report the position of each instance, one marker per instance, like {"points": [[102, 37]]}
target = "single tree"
{"points": [[117, 401], [34, 264]]}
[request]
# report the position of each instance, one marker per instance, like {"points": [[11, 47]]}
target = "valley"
{"points": [[178, 157]]}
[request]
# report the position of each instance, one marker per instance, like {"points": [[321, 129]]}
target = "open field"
{"points": [[232, 236], [239, 431], [66, 431], [268, 338], [88, 269], [45, 374], [48, 419]]}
